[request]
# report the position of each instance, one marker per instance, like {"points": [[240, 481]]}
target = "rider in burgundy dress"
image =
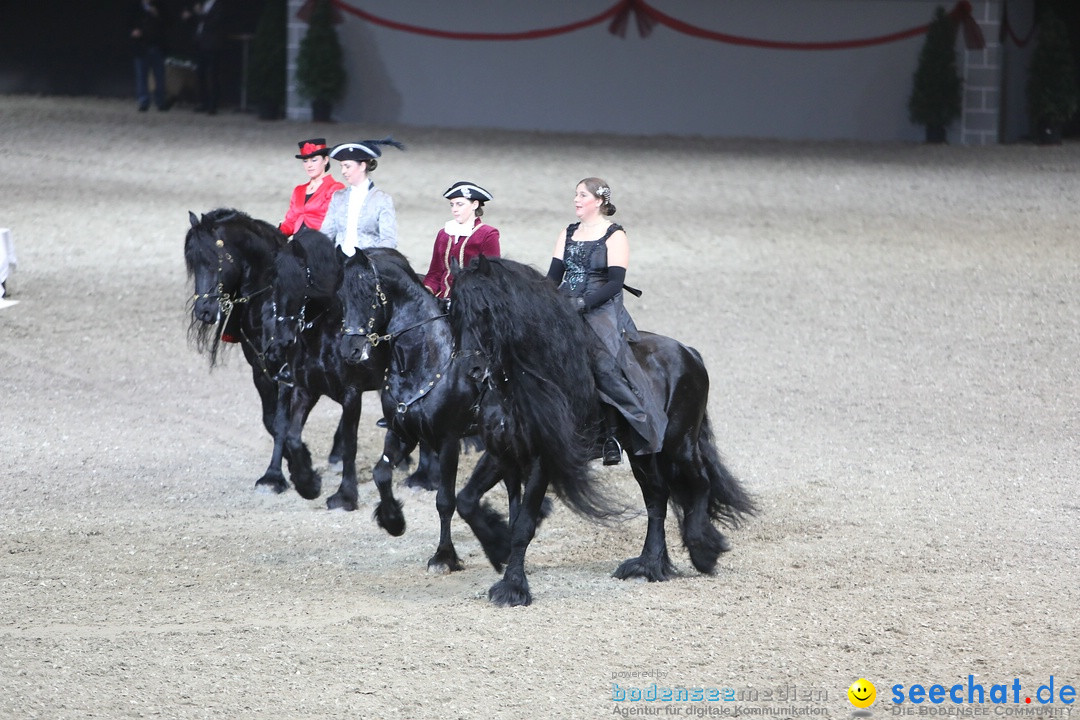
{"points": [[462, 239]]}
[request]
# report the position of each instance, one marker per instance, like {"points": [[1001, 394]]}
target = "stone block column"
{"points": [[296, 108], [980, 121]]}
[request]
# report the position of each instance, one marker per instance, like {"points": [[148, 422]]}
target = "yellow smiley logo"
{"points": [[862, 693]]}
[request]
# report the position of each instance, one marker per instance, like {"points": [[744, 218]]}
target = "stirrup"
{"points": [[612, 451]]}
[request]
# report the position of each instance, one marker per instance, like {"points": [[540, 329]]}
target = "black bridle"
{"points": [[226, 301], [374, 338]]}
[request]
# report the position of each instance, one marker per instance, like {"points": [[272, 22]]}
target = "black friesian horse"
{"points": [[229, 257], [431, 395], [534, 343], [302, 347]]}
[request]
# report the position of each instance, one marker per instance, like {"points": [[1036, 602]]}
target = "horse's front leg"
{"points": [[446, 558], [388, 514], [513, 589], [346, 497], [653, 564], [304, 476], [274, 479], [487, 524]]}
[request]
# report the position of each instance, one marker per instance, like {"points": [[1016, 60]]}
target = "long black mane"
{"points": [[245, 255], [537, 354], [310, 268]]}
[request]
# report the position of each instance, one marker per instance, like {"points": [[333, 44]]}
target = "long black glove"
{"points": [[616, 277], [556, 270]]}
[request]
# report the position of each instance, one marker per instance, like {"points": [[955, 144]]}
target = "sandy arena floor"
{"points": [[890, 331]]}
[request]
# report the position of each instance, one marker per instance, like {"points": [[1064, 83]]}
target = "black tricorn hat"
{"points": [[469, 191], [311, 148], [363, 149]]}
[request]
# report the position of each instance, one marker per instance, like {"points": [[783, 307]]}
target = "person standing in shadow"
{"points": [[147, 23], [209, 39]]}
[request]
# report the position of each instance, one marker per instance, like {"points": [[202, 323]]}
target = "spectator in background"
{"points": [[148, 24], [209, 38]]}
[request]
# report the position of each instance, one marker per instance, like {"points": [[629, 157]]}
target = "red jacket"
{"points": [[484, 240], [310, 212]]}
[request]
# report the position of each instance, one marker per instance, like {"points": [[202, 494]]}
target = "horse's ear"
{"points": [[359, 259], [483, 265], [194, 220]]}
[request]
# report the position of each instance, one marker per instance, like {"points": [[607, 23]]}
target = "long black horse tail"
{"points": [[729, 503]]}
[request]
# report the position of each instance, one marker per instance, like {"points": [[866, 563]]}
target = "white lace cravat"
{"points": [[455, 229], [357, 195]]}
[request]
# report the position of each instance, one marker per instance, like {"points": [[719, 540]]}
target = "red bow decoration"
{"points": [[973, 36], [310, 148]]}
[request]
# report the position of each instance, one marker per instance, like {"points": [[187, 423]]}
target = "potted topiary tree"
{"points": [[1052, 93], [936, 96], [266, 80], [320, 68]]}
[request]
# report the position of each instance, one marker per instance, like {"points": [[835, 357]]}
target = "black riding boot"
{"points": [[612, 450]]}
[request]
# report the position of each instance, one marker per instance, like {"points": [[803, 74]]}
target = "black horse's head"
{"points": [[305, 280], [211, 263], [364, 308], [228, 256]]}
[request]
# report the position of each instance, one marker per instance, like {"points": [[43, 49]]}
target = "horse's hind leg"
{"points": [[708, 493], [487, 524], [653, 564], [426, 476], [337, 451], [346, 496]]}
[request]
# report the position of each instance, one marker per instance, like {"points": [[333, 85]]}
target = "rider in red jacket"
{"points": [[307, 208]]}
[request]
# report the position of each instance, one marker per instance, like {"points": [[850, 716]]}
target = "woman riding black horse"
{"points": [[531, 339], [589, 263], [229, 257]]}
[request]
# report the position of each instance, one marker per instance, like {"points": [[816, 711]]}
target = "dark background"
{"points": [[81, 47]]}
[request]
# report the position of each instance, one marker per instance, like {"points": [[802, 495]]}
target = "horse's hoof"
{"points": [[389, 517], [338, 502], [639, 568], [444, 564], [421, 481], [309, 487], [507, 594], [276, 485]]}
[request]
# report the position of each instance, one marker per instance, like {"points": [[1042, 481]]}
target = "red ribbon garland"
{"points": [[1007, 30], [447, 35], [646, 17]]}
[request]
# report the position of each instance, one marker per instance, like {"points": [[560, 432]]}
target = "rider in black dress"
{"points": [[590, 263]]}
